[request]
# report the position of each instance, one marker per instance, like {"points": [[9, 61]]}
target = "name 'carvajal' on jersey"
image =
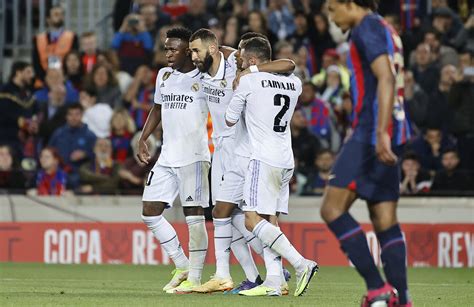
{"points": [[279, 85]]}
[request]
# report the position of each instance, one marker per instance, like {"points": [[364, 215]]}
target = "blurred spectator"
{"points": [[89, 51], [297, 181], [154, 19], [231, 32], [451, 178], [51, 179], [416, 102], [52, 115], [461, 103], [175, 8], [74, 142], [305, 145], [443, 55], [414, 179], [196, 17], [101, 175], [319, 178], [133, 172], [11, 177], [140, 95], [55, 77], [300, 37], [159, 57], [440, 114], [133, 44], [72, 67], [258, 23], [424, 70], [429, 146], [331, 58], [450, 26], [97, 114], [216, 27], [102, 79], [111, 61], [18, 107], [50, 47], [332, 90], [321, 39], [122, 129], [280, 18]]}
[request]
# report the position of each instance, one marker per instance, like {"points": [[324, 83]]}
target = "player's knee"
{"points": [[191, 211], [330, 213], [251, 220], [222, 210], [152, 208]]}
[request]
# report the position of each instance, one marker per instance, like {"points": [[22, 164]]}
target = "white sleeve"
{"points": [[157, 97], [232, 60], [237, 104]]}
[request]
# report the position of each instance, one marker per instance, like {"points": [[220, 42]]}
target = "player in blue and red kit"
{"points": [[367, 167]]}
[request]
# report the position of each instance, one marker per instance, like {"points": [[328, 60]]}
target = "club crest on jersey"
{"points": [[166, 75], [195, 87], [223, 83]]}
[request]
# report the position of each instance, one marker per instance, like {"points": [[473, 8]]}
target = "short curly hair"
{"points": [[181, 33]]}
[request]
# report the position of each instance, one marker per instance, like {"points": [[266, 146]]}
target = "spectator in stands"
{"points": [[332, 90], [305, 145], [424, 70], [55, 77], [429, 146], [11, 177], [300, 36], [133, 172], [72, 68], [50, 47], [100, 176], [280, 19], [18, 107], [451, 178], [175, 8], [154, 18], [231, 32], [53, 114], [103, 81], [461, 103], [89, 51], [416, 102], [133, 44], [321, 39], [140, 95], [330, 58], [122, 129], [442, 54], [110, 60], [258, 23], [97, 115], [74, 142], [297, 181], [414, 180], [319, 178], [159, 57], [450, 26], [196, 17], [51, 179]]}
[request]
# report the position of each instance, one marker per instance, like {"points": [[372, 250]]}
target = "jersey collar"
{"points": [[193, 73]]}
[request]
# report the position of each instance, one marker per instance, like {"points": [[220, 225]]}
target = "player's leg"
{"points": [[221, 216], [284, 273], [393, 248], [159, 193]]}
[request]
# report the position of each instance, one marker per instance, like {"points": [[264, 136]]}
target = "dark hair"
{"points": [[90, 90], [55, 154], [310, 84], [371, 4], [411, 155], [205, 35], [324, 151], [451, 150], [112, 80], [78, 55], [75, 106], [57, 6], [180, 33], [435, 32], [250, 35], [263, 19], [258, 46], [88, 34], [18, 66]]}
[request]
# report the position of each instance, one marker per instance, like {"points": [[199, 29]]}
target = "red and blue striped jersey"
{"points": [[370, 39]]}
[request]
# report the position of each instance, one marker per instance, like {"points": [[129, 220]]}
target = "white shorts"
{"points": [[223, 147], [231, 188], [267, 188], [190, 182]]}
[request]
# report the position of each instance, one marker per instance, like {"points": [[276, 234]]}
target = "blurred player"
{"points": [[367, 165], [269, 101], [227, 163], [183, 165]]}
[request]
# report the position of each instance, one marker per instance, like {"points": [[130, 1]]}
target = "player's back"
{"points": [[270, 105]]}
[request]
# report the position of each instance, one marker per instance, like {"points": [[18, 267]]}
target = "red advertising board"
{"points": [[439, 245]]}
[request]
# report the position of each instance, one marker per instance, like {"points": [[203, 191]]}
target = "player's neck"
{"points": [[216, 62], [360, 15], [187, 67]]}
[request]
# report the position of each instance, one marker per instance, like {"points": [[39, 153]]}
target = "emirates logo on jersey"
{"points": [[195, 87]]}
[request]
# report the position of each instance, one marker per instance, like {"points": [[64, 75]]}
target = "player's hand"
{"points": [[143, 153], [383, 149], [235, 84], [78, 155]]}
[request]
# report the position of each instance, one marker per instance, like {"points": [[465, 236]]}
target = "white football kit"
{"points": [[268, 102], [184, 162]]}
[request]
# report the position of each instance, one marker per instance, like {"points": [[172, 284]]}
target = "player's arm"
{"points": [[237, 104], [382, 70], [226, 51]]}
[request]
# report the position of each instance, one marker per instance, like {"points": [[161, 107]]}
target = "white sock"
{"points": [[222, 241], [242, 252], [282, 275], [165, 233], [273, 267], [276, 240], [197, 246], [238, 220]]}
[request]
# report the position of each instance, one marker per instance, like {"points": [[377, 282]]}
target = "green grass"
{"points": [[126, 285]]}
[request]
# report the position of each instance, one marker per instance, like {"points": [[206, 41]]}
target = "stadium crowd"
{"points": [[70, 118]]}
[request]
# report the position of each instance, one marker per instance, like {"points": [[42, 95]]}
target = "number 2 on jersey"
{"points": [[277, 127]]}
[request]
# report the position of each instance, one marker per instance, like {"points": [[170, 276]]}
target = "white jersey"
{"points": [[269, 101], [183, 116]]}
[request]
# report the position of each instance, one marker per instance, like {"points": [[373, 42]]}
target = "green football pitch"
{"points": [[127, 285]]}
